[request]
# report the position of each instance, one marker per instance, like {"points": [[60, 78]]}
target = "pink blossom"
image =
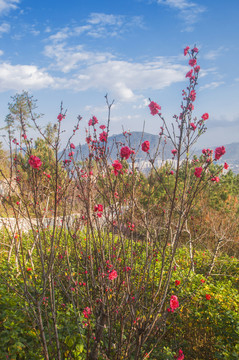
{"points": [[86, 312], [215, 179], [72, 146], [103, 136], [189, 73], [102, 127], [34, 162], [193, 126], [154, 108], [197, 69], [195, 49], [113, 275], [198, 171], [226, 166], [180, 355], [93, 121], [193, 95], [192, 62], [219, 151], [60, 117], [185, 51], [174, 152], [145, 146], [174, 304], [117, 166], [100, 207], [125, 152], [205, 116], [190, 107]]}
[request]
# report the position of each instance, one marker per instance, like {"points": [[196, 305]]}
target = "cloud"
{"points": [[100, 25], [18, 77], [212, 85], [4, 28], [126, 80], [6, 5], [188, 11], [103, 71], [69, 58], [213, 54]]}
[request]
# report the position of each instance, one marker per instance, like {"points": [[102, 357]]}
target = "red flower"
{"points": [[189, 73], [177, 282], [103, 136], [174, 304], [180, 355], [185, 51], [195, 49], [34, 162], [208, 297], [174, 152], [145, 146], [88, 139], [198, 171], [219, 152], [154, 108], [125, 152], [192, 95], [192, 62], [202, 281], [226, 166], [93, 121], [215, 178], [205, 116], [197, 68], [193, 126], [113, 275], [117, 166], [102, 127], [100, 207], [72, 146], [86, 312], [60, 117]]}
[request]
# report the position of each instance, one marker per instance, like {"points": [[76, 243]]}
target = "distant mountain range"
{"points": [[231, 156]]}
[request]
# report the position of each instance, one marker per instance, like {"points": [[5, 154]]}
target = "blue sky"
{"points": [[79, 50]]}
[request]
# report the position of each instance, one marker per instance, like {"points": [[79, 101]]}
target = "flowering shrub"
{"points": [[97, 259]]}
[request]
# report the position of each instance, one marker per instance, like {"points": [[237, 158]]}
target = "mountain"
{"points": [[137, 137]]}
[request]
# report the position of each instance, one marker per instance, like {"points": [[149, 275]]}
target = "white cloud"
{"points": [[100, 25], [6, 5], [212, 85], [188, 10], [213, 54], [69, 58], [18, 77], [126, 80], [4, 28]]}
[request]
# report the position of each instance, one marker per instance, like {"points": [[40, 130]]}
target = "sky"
{"points": [[77, 51]]}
